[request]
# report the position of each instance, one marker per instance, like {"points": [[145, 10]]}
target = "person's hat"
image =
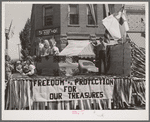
{"points": [[101, 38], [94, 42], [46, 42], [18, 62]]}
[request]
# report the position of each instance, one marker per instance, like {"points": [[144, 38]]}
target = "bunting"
{"points": [[108, 10]]}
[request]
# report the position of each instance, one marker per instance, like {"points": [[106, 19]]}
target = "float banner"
{"points": [[60, 89]]}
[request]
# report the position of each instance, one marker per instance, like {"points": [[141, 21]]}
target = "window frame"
{"points": [[44, 16], [69, 18], [96, 16], [51, 16]]}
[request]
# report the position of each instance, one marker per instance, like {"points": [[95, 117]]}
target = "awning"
{"points": [[137, 39], [81, 48]]}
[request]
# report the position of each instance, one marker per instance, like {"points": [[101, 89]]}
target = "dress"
{"points": [[31, 69], [46, 51], [19, 68], [55, 50], [40, 47]]}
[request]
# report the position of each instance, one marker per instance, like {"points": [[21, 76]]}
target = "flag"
{"points": [[10, 26], [108, 9], [112, 26], [117, 25], [12, 32], [124, 27], [8, 31], [91, 6]]}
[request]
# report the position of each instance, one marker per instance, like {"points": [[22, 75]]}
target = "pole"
{"points": [[123, 57], [6, 36], [7, 31], [123, 38], [6, 46], [19, 50], [124, 41]]}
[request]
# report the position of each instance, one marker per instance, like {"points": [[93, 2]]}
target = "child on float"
{"points": [[19, 67], [25, 67], [29, 67], [40, 46], [55, 50], [46, 50]]}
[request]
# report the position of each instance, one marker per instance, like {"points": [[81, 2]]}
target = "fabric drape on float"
{"points": [[138, 55], [81, 48]]}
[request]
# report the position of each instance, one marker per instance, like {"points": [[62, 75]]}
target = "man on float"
{"points": [[100, 47]]}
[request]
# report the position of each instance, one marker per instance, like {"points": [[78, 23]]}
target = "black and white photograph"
{"points": [[75, 60]]}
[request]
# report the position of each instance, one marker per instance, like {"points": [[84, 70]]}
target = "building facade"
{"points": [[75, 22], [67, 22], [136, 18]]}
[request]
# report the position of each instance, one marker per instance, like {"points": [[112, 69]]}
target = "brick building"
{"points": [[74, 22], [66, 22]]}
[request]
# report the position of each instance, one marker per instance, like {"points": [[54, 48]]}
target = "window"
{"points": [[48, 18], [74, 14], [92, 14]]}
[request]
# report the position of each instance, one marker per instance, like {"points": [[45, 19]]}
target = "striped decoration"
{"points": [[19, 96], [138, 61], [108, 10]]}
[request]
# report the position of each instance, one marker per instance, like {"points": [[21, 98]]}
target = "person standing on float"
{"points": [[40, 47], [46, 49], [100, 50], [102, 55]]}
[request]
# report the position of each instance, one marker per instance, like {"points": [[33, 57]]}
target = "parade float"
{"points": [[56, 90], [69, 81]]}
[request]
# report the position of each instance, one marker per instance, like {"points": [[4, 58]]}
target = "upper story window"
{"points": [[73, 14], [92, 14], [48, 16]]}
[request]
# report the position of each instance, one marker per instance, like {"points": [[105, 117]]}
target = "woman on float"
{"points": [[46, 49], [30, 67]]}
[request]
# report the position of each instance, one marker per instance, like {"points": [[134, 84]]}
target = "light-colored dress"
{"points": [[40, 48], [31, 69], [55, 50], [46, 50]]}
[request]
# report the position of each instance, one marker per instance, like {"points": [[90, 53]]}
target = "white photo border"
{"points": [[67, 114]]}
